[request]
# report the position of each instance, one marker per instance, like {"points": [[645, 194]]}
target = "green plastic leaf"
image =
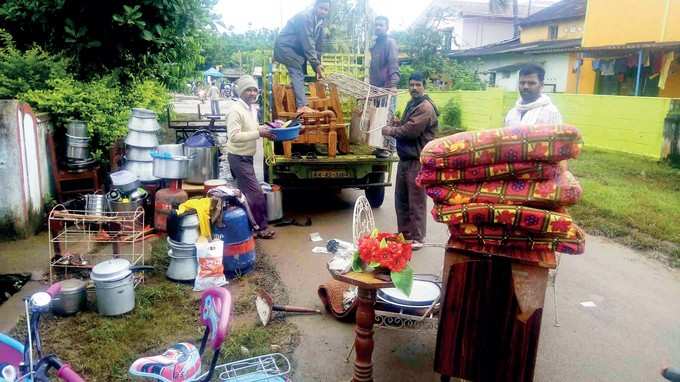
{"points": [[374, 233], [374, 264], [401, 238], [383, 244], [403, 280], [357, 264]]}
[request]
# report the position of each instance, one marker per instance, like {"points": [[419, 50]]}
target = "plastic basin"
{"points": [[286, 133]]}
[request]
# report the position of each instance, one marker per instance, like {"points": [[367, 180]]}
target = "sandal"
{"points": [[265, 234]]}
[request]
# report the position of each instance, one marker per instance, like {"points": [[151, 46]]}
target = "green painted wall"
{"points": [[628, 124]]}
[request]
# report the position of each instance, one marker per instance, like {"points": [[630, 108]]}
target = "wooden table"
{"points": [[367, 285]]}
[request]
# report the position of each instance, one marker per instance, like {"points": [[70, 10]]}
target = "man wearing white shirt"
{"points": [[533, 107]]}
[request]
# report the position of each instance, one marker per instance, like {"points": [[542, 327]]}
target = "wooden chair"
{"points": [[318, 128], [71, 183]]}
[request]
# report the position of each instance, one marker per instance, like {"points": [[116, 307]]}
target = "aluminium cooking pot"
{"points": [[76, 128], [168, 166], [144, 170], [140, 139], [141, 154], [143, 120], [71, 299]]}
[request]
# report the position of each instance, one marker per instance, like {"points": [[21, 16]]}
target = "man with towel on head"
{"points": [[533, 107], [243, 132]]}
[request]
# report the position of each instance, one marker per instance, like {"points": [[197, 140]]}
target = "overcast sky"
{"points": [[272, 14]]}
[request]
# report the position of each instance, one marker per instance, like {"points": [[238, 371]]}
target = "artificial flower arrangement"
{"points": [[385, 252]]}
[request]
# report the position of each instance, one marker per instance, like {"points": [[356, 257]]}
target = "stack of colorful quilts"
{"points": [[504, 190]]}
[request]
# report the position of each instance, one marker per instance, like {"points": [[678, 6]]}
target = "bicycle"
{"points": [[17, 362], [182, 362]]}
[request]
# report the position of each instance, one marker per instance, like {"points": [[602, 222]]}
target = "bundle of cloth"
{"points": [[505, 190]]}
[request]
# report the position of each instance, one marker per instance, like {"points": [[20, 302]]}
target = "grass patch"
{"points": [[632, 199], [102, 348]]}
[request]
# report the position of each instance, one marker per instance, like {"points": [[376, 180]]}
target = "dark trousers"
{"points": [[243, 171], [410, 201]]}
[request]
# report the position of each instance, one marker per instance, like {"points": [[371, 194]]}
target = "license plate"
{"points": [[330, 174]]}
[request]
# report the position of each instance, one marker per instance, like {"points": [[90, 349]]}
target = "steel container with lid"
{"points": [[71, 299], [114, 286]]}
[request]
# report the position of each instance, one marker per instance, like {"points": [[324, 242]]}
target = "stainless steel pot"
{"points": [[143, 120], [175, 168], [77, 152], [203, 164], [140, 154], [144, 170], [71, 299], [180, 249], [188, 228], [125, 181], [125, 206], [172, 149], [76, 128], [181, 268], [272, 194], [95, 204], [141, 139]]}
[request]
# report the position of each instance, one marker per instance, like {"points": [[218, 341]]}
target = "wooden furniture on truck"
{"points": [[320, 127]]}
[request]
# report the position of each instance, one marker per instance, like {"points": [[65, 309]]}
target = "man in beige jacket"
{"points": [[243, 132]]}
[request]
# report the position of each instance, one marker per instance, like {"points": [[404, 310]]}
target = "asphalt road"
{"points": [[630, 330]]}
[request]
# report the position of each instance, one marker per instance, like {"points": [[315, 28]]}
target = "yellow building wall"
{"points": [[566, 30], [672, 89], [586, 79], [618, 22]]}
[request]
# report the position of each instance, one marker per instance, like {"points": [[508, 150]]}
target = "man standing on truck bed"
{"points": [[299, 42], [416, 128], [384, 70]]}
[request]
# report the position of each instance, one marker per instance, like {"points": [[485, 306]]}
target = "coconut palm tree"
{"points": [[495, 5]]}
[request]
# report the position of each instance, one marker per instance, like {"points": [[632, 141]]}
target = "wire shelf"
{"points": [[79, 239]]}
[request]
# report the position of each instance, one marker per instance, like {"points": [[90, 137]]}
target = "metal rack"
{"points": [[80, 239]]}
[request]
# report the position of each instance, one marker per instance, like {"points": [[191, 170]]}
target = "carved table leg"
{"points": [[363, 365]]}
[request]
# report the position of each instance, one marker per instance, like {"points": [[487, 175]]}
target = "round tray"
{"points": [[423, 294]]}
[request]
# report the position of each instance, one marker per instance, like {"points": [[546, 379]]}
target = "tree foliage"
{"points": [[134, 39], [24, 70], [425, 45]]}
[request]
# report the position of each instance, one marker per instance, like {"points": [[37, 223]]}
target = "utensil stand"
{"points": [[78, 240]]}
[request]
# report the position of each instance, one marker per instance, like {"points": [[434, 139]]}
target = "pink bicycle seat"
{"points": [[180, 363]]}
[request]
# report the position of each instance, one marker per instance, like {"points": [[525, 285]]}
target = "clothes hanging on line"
{"points": [[668, 59], [607, 68]]}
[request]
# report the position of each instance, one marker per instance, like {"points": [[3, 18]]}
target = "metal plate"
{"points": [[423, 294]]}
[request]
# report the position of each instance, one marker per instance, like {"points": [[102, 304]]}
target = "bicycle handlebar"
{"points": [[64, 371], [54, 289], [67, 374]]}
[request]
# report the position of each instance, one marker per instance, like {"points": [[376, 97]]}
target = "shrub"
{"points": [[21, 71], [451, 116], [102, 103]]}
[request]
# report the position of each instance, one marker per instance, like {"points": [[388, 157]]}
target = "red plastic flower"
{"points": [[386, 249]]}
